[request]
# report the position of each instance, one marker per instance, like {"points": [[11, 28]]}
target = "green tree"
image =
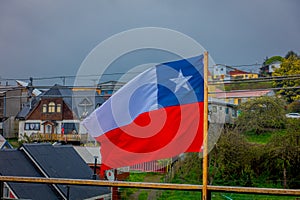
{"points": [[269, 61], [291, 53], [261, 114], [282, 156], [233, 156], [294, 106], [290, 66]]}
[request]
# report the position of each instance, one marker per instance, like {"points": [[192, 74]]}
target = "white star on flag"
{"points": [[181, 81]]}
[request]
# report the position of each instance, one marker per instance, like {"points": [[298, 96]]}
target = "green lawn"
{"points": [[262, 138]]}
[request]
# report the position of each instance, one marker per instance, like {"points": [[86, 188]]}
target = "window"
{"points": [[214, 109], [70, 128], [51, 108], [32, 126], [227, 111], [234, 113], [58, 108], [44, 108]]}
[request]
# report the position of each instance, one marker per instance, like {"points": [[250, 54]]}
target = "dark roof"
{"points": [[69, 97], [62, 161], [27, 108], [59, 91], [14, 163]]}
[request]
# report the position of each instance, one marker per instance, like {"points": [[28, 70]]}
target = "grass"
{"points": [[247, 86], [187, 195], [262, 138], [179, 195], [14, 142], [233, 196]]}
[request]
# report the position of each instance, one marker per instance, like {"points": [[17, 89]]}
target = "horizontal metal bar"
{"points": [[63, 181], [254, 190], [145, 185]]}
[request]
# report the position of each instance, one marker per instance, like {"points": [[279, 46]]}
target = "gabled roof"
{"points": [[237, 72], [59, 91], [62, 161], [14, 163], [4, 144], [46, 160], [69, 97], [27, 108]]}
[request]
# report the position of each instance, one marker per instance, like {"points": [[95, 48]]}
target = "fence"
{"points": [[164, 186], [152, 166]]}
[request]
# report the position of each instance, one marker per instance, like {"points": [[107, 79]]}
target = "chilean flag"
{"points": [[157, 115]]}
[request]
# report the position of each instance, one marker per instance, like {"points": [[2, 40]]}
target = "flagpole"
{"points": [[205, 130]]}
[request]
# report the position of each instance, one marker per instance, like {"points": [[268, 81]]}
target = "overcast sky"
{"points": [[44, 38]]}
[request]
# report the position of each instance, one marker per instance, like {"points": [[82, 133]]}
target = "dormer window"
{"points": [[58, 108], [51, 107], [44, 108]]}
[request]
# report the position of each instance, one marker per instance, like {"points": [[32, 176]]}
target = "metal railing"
{"points": [[144, 185]]}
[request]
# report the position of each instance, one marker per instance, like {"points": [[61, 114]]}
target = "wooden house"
{"points": [[56, 115]]}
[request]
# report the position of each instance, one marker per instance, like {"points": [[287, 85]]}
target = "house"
{"points": [[47, 161], [239, 74], [12, 99], [221, 112], [223, 72], [109, 87], [237, 97], [56, 114], [267, 70]]}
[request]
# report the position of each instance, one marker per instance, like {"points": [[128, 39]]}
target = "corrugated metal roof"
{"points": [[88, 154], [36, 92], [243, 94]]}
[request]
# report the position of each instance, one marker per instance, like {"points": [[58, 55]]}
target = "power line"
{"points": [[70, 76], [238, 66], [255, 80], [214, 82], [115, 73]]}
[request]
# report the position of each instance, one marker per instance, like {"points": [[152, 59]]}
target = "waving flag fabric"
{"points": [[158, 114]]}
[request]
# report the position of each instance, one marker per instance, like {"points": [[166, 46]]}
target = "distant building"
{"points": [[109, 87], [56, 114], [239, 74], [12, 100], [267, 70], [222, 72], [238, 97], [221, 112]]}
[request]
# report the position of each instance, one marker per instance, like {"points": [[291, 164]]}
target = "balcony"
{"points": [[63, 138]]}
